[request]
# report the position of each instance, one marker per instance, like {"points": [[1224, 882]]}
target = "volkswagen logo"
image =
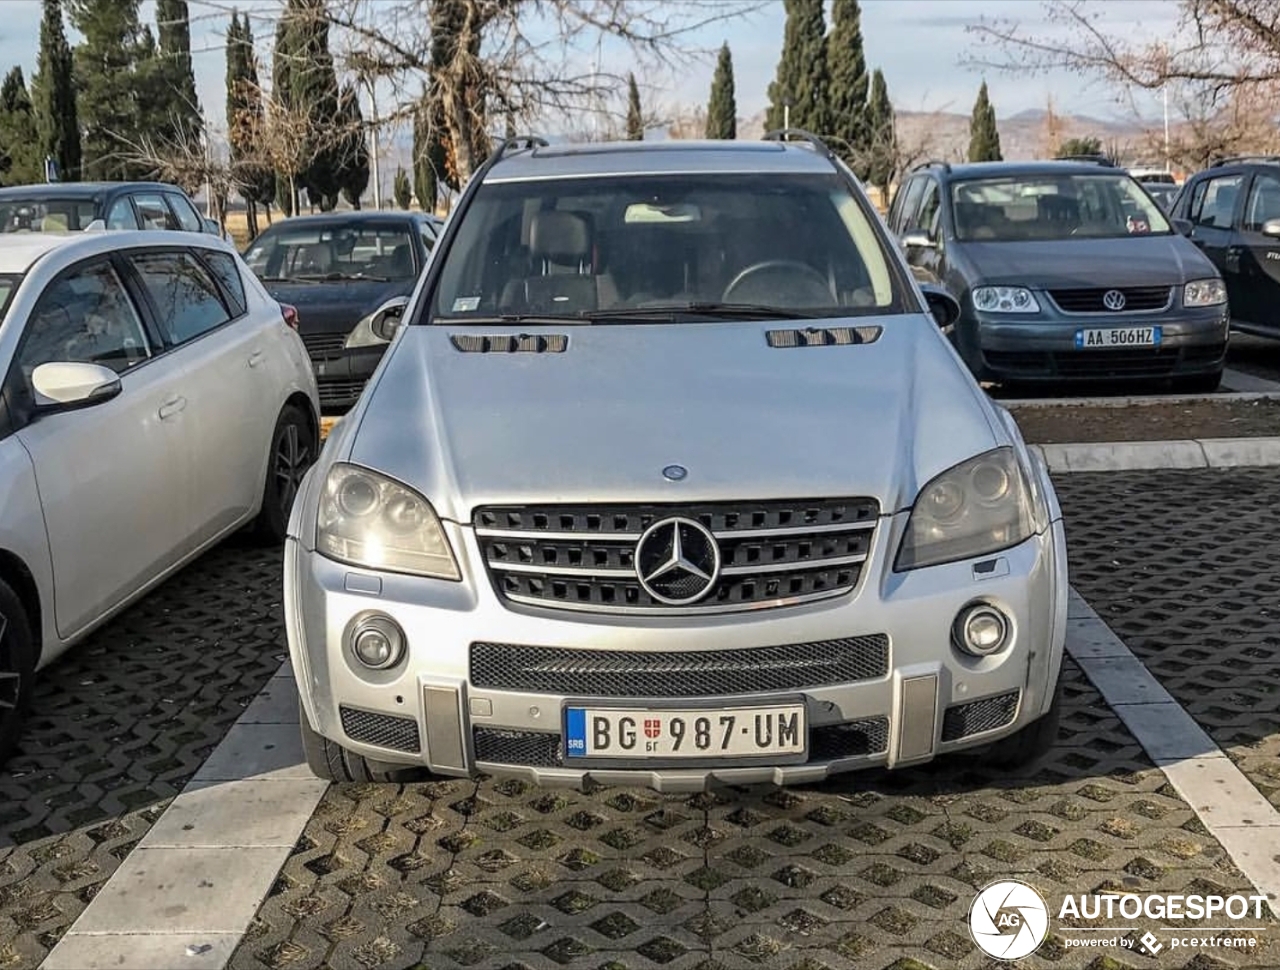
{"points": [[1113, 300], [677, 561]]}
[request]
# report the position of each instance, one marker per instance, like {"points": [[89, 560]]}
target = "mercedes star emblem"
{"points": [[677, 561], [675, 473], [1113, 300]]}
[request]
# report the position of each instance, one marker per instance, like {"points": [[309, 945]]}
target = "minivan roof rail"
{"points": [[933, 163], [799, 134], [1239, 159], [1094, 159], [519, 142]]}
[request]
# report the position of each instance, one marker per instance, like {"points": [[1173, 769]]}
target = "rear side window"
{"points": [[1264, 202], [928, 218], [120, 215], [910, 202], [184, 294], [153, 212], [1213, 203], [228, 273], [187, 216]]}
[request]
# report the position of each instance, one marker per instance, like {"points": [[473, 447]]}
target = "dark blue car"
{"points": [[337, 269]]}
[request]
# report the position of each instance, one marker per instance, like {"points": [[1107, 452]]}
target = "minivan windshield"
{"points": [[333, 252], [1054, 206], [665, 247]]}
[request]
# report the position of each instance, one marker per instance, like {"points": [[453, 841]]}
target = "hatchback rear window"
{"points": [[47, 215]]}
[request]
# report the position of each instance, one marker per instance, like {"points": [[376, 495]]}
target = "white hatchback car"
{"points": [[154, 399]]}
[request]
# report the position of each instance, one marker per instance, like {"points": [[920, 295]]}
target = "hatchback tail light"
{"points": [[290, 314]]}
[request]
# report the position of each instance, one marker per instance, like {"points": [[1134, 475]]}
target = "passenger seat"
{"points": [[561, 249]]}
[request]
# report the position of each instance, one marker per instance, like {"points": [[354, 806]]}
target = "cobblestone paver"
{"points": [[1185, 567], [874, 870], [118, 726]]}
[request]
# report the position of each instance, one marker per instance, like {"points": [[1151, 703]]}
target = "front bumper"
{"points": [[1194, 342], [342, 375], [428, 711]]}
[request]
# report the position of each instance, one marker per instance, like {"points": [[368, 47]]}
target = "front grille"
{"points": [[1099, 364], [381, 730], [335, 393], [773, 553], [692, 673], [986, 714], [322, 346], [1137, 299], [541, 749]]}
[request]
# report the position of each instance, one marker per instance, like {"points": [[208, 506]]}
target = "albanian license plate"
{"points": [[720, 733], [1118, 337]]}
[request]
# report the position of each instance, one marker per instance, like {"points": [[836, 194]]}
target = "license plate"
{"points": [[1118, 337], [720, 733]]}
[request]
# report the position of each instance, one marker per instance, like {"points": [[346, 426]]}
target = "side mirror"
{"points": [[944, 307], [68, 386], [918, 239], [1271, 228], [388, 317], [1184, 226]]}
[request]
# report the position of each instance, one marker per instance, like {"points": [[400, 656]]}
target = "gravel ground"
{"points": [[1214, 418]]}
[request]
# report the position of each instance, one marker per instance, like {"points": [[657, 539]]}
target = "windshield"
{"points": [[46, 215], [333, 252], [1038, 207], [571, 248], [8, 284]]}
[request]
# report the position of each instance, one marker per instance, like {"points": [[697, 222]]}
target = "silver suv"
{"points": [[669, 477]]}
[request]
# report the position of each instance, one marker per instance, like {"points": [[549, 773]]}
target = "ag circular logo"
{"points": [[1008, 920]]}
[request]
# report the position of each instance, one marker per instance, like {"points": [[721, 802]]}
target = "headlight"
{"points": [[369, 520], [362, 335], [982, 505], [1004, 299], [1204, 293]]}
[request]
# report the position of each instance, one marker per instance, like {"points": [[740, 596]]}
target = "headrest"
{"points": [[559, 236]]}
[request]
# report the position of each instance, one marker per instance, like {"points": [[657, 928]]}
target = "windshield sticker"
{"points": [[466, 304], [1137, 226]]}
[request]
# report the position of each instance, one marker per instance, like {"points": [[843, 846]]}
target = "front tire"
{"points": [[293, 451], [1033, 742], [17, 668], [330, 761]]}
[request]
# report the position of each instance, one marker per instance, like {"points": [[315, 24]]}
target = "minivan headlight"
{"points": [[362, 334], [1004, 299], [1212, 292], [981, 505], [370, 520]]}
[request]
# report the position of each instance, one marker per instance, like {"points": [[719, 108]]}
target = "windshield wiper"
{"points": [[328, 277], [715, 311], [508, 318], [288, 279]]}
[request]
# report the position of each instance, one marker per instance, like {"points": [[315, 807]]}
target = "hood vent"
{"points": [[823, 336], [510, 343]]}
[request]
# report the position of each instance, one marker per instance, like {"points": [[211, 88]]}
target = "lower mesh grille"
{"points": [[540, 749], [986, 714], [381, 730]]}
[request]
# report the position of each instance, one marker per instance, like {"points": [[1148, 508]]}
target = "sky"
{"points": [[921, 46]]}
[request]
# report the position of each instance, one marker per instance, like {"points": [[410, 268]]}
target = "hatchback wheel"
{"points": [[17, 668], [293, 451]]}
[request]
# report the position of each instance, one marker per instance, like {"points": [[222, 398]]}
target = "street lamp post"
{"points": [[787, 102]]}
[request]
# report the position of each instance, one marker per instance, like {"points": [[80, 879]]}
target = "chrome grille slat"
{"points": [[581, 557], [1088, 300]]}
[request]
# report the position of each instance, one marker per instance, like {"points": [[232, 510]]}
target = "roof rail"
{"points": [[521, 141], [933, 163], [1237, 159], [799, 134], [1093, 159]]}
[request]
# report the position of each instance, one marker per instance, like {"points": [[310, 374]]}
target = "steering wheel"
{"points": [[779, 282]]}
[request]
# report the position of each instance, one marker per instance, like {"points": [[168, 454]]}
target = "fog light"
{"points": [[980, 630], [377, 642]]}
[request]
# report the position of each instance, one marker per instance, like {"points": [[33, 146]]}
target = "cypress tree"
{"points": [[18, 141], [401, 189], [635, 116], [54, 95], [353, 150], [849, 85], [181, 119], [881, 137], [984, 138], [246, 123], [112, 94], [802, 70], [722, 108], [430, 154], [307, 88]]}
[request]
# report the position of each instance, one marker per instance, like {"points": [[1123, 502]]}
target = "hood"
{"points": [[603, 418], [336, 306], [1063, 263]]}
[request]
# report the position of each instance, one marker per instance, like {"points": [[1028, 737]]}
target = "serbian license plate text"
{"points": [[723, 733], [1118, 337]]}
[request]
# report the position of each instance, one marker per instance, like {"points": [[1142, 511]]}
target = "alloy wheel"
{"points": [[293, 458], [10, 679]]}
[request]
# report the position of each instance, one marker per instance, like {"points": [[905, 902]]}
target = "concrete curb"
{"points": [[1123, 456]]}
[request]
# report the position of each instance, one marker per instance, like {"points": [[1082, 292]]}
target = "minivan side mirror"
{"points": [[1184, 226], [944, 307], [1271, 228], [388, 317], [918, 239], [70, 385]]}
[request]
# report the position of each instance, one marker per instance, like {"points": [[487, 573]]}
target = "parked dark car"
{"points": [[1164, 193], [1064, 271], [1232, 212], [74, 206], [339, 270]]}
